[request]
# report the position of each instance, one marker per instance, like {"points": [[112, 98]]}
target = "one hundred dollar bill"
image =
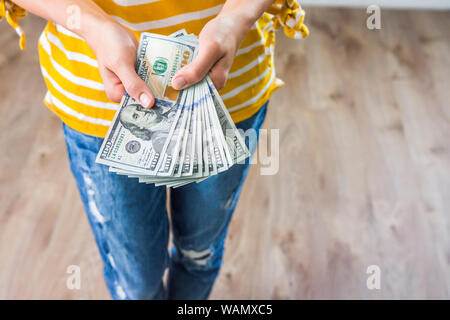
{"points": [[187, 136], [137, 138]]}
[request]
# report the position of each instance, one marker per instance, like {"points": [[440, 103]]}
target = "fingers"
{"points": [[135, 86], [209, 53], [113, 86], [126, 80], [219, 73]]}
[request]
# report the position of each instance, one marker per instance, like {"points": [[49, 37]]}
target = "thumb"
{"points": [[135, 86], [197, 69]]}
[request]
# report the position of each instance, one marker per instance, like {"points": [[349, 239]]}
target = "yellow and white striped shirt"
{"points": [[76, 91]]}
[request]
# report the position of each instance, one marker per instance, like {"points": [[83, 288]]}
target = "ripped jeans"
{"points": [[131, 225]]}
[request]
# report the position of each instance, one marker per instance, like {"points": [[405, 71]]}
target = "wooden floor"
{"points": [[364, 176]]}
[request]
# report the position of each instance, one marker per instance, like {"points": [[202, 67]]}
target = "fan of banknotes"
{"points": [[187, 136]]}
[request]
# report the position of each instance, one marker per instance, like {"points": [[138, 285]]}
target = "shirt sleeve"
{"points": [[13, 13], [289, 15]]}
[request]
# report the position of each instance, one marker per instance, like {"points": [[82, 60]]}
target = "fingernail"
{"points": [[178, 83], [145, 100]]}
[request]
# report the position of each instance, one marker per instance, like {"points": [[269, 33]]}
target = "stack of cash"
{"points": [[187, 136]]}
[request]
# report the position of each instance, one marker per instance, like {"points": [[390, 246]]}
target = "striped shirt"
{"points": [[75, 89]]}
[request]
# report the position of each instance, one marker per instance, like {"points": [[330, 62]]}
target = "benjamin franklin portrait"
{"points": [[145, 123]]}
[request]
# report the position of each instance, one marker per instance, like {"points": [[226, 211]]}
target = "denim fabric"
{"points": [[131, 225]]}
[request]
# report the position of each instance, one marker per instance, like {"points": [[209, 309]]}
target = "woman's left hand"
{"points": [[218, 42]]}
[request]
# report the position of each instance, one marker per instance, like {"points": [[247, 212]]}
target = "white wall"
{"points": [[426, 4]]}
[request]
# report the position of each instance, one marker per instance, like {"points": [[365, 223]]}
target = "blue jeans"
{"points": [[131, 225]]}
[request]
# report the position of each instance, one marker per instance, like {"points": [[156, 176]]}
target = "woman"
{"points": [[87, 56]]}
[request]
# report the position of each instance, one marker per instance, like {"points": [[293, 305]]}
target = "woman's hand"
{"points": [[218, 42], [114, 45], [116, 48]]}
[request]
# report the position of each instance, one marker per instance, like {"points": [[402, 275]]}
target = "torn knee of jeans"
{"points": [[200, 258], [119, 291], [92, 205], [229, 202], [111, 260], [232, 199]]}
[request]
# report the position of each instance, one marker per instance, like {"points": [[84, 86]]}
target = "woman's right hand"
{"points": [[114, 45], [116, 48]]}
